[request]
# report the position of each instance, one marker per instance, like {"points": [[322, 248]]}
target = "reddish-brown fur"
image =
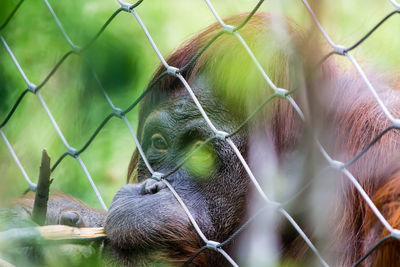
{"points": [[345, 107], [346, 117]]}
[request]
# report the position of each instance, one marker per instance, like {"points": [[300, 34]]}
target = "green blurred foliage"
{"points": [[124, 62], [202, 163]]}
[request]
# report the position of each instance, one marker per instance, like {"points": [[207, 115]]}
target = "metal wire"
{"points": [[171, 70]]}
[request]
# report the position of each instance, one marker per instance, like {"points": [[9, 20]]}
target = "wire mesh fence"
{"points": [[282, 93]]}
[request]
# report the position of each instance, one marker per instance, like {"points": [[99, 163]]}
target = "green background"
{"points": [[124, 62]]}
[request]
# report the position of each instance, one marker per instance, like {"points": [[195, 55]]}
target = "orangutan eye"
{"points": [[158, 142]]}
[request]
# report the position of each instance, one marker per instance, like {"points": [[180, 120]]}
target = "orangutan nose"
{"points": [[151, 186]]}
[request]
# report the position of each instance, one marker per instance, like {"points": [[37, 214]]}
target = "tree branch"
{"points": [[42, 191], [39, 235]]}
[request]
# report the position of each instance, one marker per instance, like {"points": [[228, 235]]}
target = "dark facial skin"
{"points": [[147, 215], [147, 226]]}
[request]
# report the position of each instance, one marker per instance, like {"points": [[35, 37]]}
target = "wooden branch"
{"points": [[38, 235], [42, 191], [63, 232]]}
